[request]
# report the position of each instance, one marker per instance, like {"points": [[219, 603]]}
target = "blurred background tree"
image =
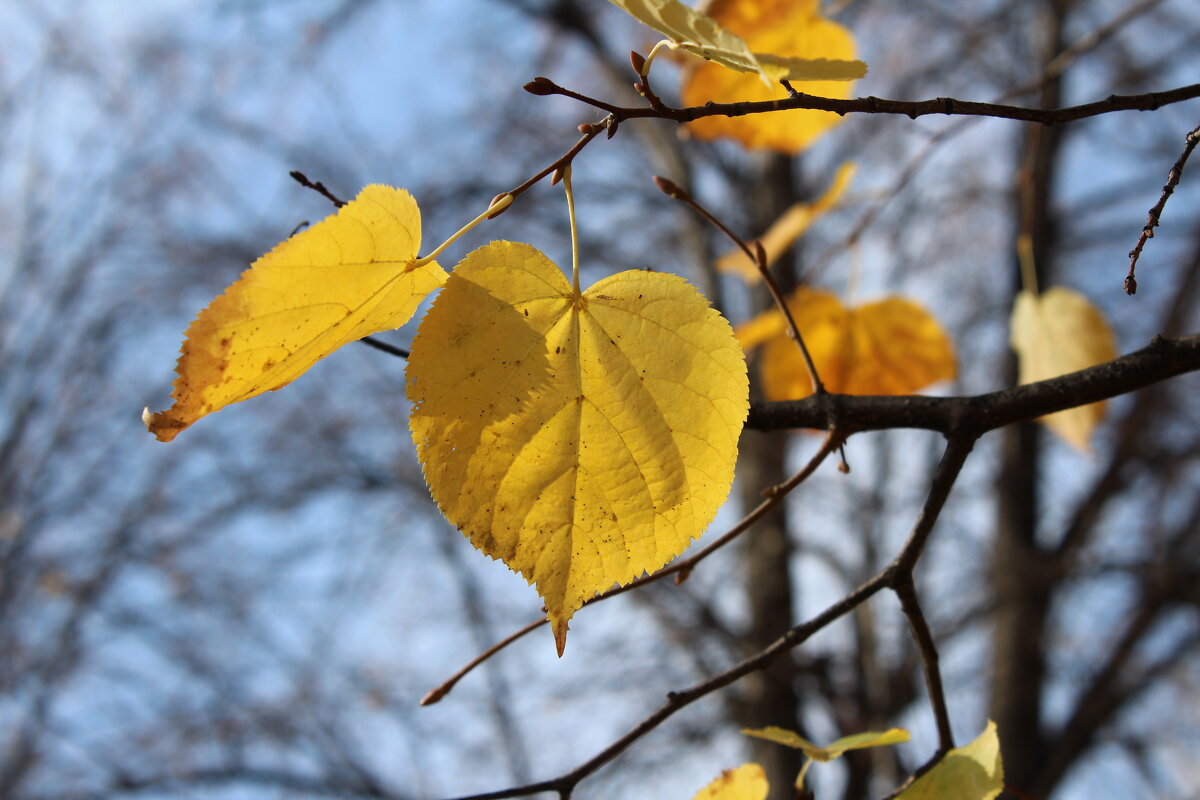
{"points": [[256, 610]]}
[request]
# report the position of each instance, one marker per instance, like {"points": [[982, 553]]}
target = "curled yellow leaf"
{"points": [[790, 226], [974, 771], [582, 438], [891, 346], [856, 741], [349, 276], [701, 35], [747, 782], [787, 28], [1056, 332]]}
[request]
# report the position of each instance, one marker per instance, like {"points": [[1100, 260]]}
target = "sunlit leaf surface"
{"points": [[582, 439], [349, 276], [971, 772]]}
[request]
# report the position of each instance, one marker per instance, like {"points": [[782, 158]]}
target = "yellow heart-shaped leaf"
{"points": [[582, 438], [349, 276]]}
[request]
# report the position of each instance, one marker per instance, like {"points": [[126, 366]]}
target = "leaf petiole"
{"points": [[503, 202], [566, 181]]}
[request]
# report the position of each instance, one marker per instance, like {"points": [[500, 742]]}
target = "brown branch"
{"points": [[895, 574], [1160, 360], [759, 256], [907, 593], [318, 187], [1152, 220], [947, 106], [390, 349]]}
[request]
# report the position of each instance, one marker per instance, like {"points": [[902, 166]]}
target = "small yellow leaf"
{"points": [[747, 782], [584, 439], [1055, 333], [892, 346], [790, 226], [349, 276], [857, 741], [971, 772], [701, 35], [786, 27]]}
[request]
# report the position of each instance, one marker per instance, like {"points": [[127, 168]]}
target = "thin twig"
{"points": [[390, 349], [681, 569], [437, 693], [907, 593], [944, 106], [1192, 139], [759, 257], [318, 187], [944, 477]]}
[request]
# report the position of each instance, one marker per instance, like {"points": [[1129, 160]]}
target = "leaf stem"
{"points": [[1029, 280], [498, 205], [566, 181]]}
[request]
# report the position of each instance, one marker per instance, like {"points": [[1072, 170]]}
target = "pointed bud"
{"points": [[540, 86], [638, 61], [500, 203], [669, 187]]}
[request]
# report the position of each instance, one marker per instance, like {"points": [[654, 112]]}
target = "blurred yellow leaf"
{"points": [[891, 346], [747, 782], [857, 741], [1055, 333], [785, 27], [349, 276], [790, 226], [971, 772], [584, 439], [701, 35]]}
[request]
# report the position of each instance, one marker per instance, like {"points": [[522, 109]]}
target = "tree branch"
{"points": [[947, 106], [1160, 360]]}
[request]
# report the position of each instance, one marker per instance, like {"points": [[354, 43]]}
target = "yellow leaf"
{"points": [[1055, 333], [747, 782], [701, 35], [349, 276], [857, 741], [790, 226], [787, 27], [971, 772], [584, 439], [892, 346]]}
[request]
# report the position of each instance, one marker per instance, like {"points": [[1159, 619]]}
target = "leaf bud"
{"points": [[669, 187], [500, 202], [540, 86], [638, 61]]}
